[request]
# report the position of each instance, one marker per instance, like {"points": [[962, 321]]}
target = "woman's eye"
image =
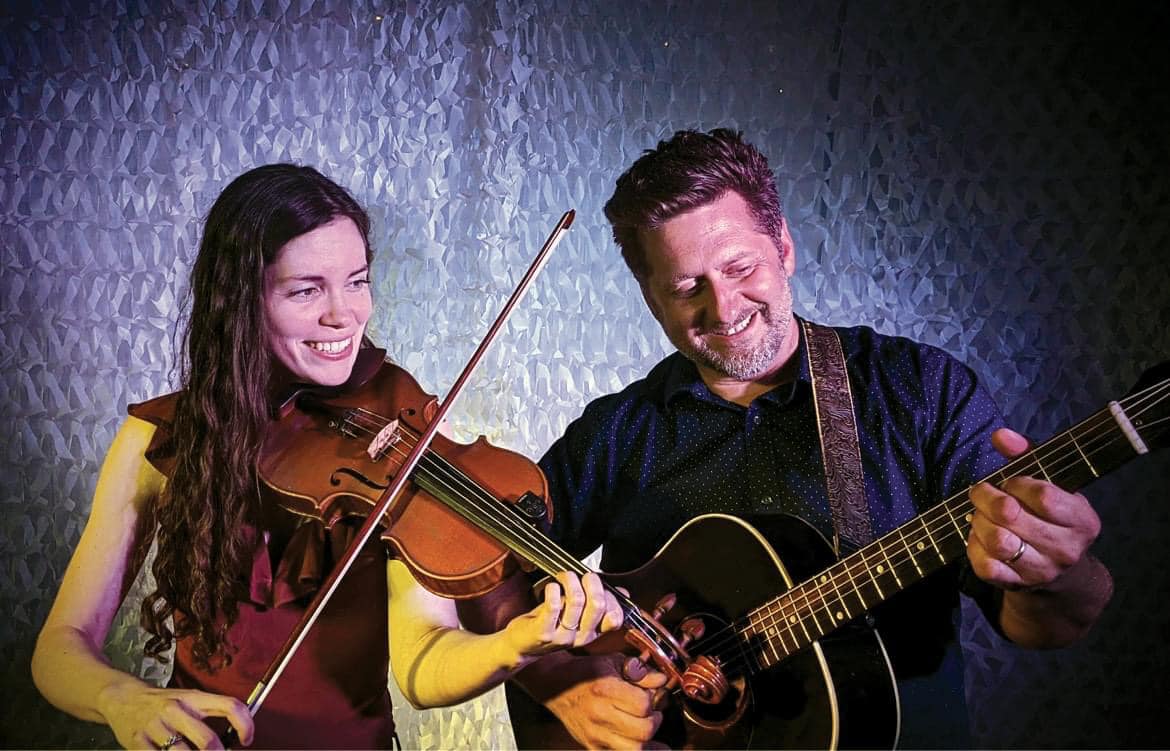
{"points": [[304, 292]]}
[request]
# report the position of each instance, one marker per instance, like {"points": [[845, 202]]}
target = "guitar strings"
{"points": [[770, 609], [817, 596]]}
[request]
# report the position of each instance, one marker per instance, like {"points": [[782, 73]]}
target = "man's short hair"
{"points": [[690, 170]]}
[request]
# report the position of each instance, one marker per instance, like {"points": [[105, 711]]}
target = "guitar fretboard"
{"points": [[814, 608]]}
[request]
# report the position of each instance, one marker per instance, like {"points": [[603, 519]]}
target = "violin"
{"points": [[330, 456]]}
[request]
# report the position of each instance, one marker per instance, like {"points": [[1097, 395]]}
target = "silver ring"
{"points": [[574, 627], [170, 742], [1016, 555]]}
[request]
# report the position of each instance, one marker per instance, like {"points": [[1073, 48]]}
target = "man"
{"points": [[728, 424]]}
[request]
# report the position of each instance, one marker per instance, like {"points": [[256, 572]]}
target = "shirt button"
{"points": [[766, 500], [756, 419]]}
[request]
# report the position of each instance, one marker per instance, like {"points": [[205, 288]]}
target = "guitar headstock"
{"points": [[1148, 406]]}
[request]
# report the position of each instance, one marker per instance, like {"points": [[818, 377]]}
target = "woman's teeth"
{"points": [[331, 348]]}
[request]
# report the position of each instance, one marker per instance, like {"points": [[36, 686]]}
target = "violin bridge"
{"points": [[387, 436]]}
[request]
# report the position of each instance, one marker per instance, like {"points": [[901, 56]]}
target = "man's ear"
{"points": [[644, 285], [787, 248]]}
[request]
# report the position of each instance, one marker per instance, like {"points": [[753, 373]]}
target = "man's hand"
{"points": [[604, 710], [1028, 533], [1032, 539]]}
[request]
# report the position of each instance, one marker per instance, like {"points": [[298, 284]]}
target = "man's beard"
{"points": [[743, 364]]}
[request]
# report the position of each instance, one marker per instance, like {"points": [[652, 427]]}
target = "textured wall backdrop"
{"points": [[987, 178]]}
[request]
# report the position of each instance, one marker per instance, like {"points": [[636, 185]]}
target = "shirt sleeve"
{"points": [[960, 450], [579, 468]]}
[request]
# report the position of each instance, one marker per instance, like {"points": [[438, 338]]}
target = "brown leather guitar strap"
{"points": [[838, 428]]}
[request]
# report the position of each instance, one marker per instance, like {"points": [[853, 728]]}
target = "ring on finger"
{"points": [[1016, 555], [566, 626], [175, 738]]}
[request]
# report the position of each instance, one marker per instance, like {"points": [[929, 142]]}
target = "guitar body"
{"points": [[837, 693]]}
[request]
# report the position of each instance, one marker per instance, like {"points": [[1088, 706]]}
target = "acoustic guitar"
{"points": [[779, 620]]}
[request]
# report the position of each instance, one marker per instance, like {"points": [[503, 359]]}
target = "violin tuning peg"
{"points": [[663, 606], [690, 629], [634, 668]]}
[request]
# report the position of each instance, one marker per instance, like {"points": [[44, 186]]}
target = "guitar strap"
{"points": [[837, 423]]}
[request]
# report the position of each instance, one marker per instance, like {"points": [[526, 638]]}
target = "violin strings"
{"points": [[786, 608], [501, 518]]}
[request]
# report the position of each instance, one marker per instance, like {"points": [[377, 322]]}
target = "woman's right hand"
{"points": [[575, 611], [143, 716]]}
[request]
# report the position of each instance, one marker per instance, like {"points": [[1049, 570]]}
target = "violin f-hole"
{"points": [[334, 480]]}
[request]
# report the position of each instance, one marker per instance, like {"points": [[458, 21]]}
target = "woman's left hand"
{"points": [[575, 611]]}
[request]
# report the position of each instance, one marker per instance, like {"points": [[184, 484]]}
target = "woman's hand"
{"points": [[142, 716], [575, 611]]}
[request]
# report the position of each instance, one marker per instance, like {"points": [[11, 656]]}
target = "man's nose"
{"points": [[722, 303]]}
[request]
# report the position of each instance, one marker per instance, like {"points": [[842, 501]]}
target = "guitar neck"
{"points": [[858, 582]]}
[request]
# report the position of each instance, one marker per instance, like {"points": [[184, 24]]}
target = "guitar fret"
{"points": [[910, 550], [776, 633], [892, 567], [966, 518], [746, 653], [879, 569], [1043, 471], [813, 607], [795, 620], [856, 588], [933, 543], [766, 627], [838, 616], [1084, 458]]}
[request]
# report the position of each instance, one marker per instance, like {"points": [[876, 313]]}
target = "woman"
{"points": [[281, 296]]}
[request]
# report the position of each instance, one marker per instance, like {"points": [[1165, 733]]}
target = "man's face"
{"points": [[719, 288]]}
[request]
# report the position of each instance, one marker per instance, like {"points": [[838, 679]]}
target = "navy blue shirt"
{"points": [[640, 463]]}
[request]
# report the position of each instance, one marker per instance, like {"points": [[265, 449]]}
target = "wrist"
{"points": [[547, 677], [115, 693], [510, 654]]}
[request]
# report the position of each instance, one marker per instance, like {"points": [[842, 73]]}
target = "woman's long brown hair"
{"points": [[204, 547]]}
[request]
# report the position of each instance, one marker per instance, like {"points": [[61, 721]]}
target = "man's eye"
{"points": [[359, 283]]}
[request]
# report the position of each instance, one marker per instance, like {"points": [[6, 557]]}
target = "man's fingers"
{"points": [[1009, 443]]}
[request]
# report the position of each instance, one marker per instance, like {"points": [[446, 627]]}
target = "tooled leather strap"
{"points": [[838, 428]]}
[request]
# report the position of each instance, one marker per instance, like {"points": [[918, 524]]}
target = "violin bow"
{"points": [[386, 500]]}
